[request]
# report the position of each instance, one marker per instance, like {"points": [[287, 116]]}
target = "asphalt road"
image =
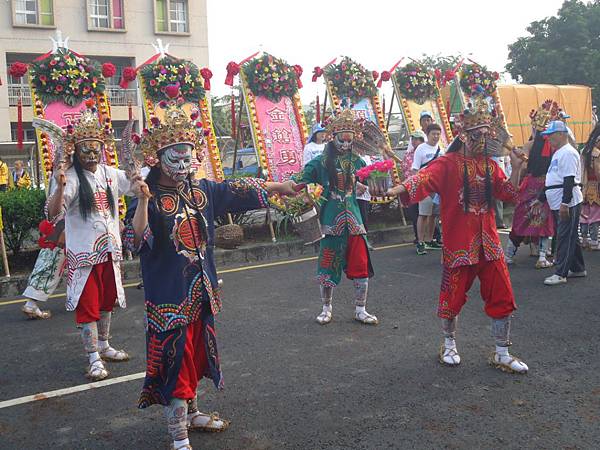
{"points": [[292, 384]]}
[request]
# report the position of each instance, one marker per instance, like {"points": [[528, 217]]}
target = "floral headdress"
{"points": [[176, 128], [546, 113], [344, 121], [478, 114], [88, 128]]}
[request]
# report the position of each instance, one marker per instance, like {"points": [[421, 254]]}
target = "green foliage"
{"points": [[271, 77], [416, 82], [350, 79], [64, 76], [170, 71], [443, 63], [22, 211], [564, 49]]}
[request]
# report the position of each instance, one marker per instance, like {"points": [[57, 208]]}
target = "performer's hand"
{"points": [[563, 212], [536, 207], [360, 188], [139, 187], [286, 188], [396, 190]]}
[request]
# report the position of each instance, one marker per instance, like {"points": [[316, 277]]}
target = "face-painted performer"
{"points": [[532, 218], [467, 179], [344, 247], [87, 195], [173, 232]]}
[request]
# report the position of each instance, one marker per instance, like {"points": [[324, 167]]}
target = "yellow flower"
{"points": [[162, 77], [71, 62], [188, 78], [55, 74]]}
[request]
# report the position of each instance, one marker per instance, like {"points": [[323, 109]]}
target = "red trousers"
{"points": [[357, 257], [194, 363], [496, 289], [99, 293]]}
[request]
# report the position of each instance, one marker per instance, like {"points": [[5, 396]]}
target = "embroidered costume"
{"points": [[590, 210], [466, 183], [344, 247], [532, 220]]}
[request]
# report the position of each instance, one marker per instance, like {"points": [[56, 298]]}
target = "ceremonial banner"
{"points": [[270, 88], [63, 84], [518, 100], [350, 85], [417, 90], [163, 72]]}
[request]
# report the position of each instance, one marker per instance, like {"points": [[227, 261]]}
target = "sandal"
{"points": [[449, 356], [324, 318], [510, 364], [111, 354], [97, 371], [366, 318], [35, 313], [214, 424], [543, 264]]}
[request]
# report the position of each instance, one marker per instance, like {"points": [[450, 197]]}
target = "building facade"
{"points": [[119, 31]]}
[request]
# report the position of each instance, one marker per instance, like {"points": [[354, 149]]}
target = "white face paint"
{"points": [[176, 161]]}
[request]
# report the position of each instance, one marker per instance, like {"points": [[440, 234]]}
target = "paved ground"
{"points": [[292, 384]]}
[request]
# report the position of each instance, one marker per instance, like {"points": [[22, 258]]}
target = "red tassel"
{"points": [[130, 110], [233, 124], [232, 70], [206, 76], [20, 125], [318, 107]]}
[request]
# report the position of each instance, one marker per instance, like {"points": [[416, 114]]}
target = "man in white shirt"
{"points": [[564, 196], [315, 145], [428, 210]]}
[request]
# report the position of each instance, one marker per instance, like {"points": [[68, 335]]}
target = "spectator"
{"points": [[316, 143], [20, 177], [4, 175]]}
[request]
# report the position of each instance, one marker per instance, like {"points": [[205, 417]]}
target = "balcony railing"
{"points": [[121, 97], [116, 95], [16, 91]]}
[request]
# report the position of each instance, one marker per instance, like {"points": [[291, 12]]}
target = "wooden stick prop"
{"points": [[237, 135], [387, 124], [3, 247]]}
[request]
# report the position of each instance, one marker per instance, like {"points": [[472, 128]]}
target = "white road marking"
{"points": [[70, 390]]}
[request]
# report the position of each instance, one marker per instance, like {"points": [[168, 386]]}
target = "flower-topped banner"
{"points": [[163, 75], [67, 77], [476, 78], [416, 83], [272, 77], [350, 79]]}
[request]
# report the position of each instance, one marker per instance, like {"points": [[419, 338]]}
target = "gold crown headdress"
{"points": [[545, 114], [478, 114], [344, 121], [175, 128], [88, 128]]}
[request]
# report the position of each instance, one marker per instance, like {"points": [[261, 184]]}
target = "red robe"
{"points": [[467, 236]]}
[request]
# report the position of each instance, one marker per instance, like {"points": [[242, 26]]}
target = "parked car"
{"points": [[246, 163]]}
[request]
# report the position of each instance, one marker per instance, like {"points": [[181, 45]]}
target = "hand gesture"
{"points": [[60, 176], [139, 187]]}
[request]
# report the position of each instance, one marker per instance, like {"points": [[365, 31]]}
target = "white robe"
{"points": [[90, 242]]}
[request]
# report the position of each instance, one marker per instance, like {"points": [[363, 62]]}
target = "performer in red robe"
{"points": [[467, 179]]}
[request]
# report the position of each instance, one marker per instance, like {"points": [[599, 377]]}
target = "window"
{"points": [[33, 12], [171, 16], [106, 14], [28, 132]]}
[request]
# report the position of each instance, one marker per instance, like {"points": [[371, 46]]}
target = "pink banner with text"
{"points": [[282, 136]]}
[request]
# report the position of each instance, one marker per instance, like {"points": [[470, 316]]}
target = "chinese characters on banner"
{"points": [[62, 115], [282, 136]]}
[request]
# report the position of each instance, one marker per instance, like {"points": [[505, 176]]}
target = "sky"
{"points": [[375, 33]]}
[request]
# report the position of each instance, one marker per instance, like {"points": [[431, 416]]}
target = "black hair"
{"points": [[537, 165], [313, 138], [432, 127], [589, 146], [86, 193], [331, 154]]}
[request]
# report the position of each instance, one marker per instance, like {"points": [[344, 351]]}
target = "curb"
{"points": [[245, 254]]}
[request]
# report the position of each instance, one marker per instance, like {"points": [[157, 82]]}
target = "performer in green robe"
{"points": [[344, 247]]}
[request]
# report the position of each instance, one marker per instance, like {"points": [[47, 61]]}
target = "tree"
{"points": [[564, 49]]}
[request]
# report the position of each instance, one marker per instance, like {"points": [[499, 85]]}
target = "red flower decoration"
{"points": [[108, 70], [233, 69], [18, 69], [172, 90], [129, 74], [375, 75], [317, 72], [46, 227], [298, 69], [385, 76], [206, 76]]}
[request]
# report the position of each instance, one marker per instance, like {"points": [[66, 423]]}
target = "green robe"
{"points": [[340, 215]]}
